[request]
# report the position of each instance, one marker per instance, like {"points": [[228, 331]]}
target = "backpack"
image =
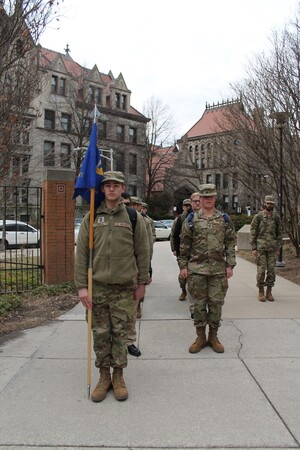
{"points": [[132, 216]]}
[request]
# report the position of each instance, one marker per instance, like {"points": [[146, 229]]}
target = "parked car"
{"points": [[168, 222], [19, 234], [163, 232]]}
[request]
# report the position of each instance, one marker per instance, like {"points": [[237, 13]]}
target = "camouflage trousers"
{"points": [[208, 293], [182, 282], [113, 308], [131, 325], [266, 262]]}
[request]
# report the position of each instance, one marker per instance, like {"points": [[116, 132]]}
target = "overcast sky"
{"points": [[183, 52]]}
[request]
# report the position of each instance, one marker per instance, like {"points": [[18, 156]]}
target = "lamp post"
{"points": [[281, 119]]}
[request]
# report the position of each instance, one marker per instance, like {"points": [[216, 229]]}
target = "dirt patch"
{"points": [[35, 311]]}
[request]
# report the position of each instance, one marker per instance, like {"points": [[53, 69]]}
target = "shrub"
{"points": [[9, 302], [240, 220]]}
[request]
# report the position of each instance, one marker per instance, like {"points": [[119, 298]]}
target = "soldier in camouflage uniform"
{"points": [[266, 240], [175, 241], [120, 273], [207, 259]]}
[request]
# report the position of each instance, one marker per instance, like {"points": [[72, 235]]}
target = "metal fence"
{"points": [[20, 239]]}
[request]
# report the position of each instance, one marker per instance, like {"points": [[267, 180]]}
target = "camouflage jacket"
{"points": [[119, 256], [266, 232], [207, 245]]}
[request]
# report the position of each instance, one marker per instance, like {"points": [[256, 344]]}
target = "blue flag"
{"points": [[91, 172]]}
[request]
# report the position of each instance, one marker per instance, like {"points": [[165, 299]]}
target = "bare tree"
{"points": [[269, 125], [159, 143], [21, 24]]}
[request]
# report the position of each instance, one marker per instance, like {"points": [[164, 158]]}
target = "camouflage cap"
{"points": [[186, 201], [113, 176], [269, 199], [207, 190], [135, 200], [144, 205]]}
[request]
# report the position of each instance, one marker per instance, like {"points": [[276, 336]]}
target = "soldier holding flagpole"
{"points": [[111, 272]]}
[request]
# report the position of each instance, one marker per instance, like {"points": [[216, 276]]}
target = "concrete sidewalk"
{"points": [[246, 398]]}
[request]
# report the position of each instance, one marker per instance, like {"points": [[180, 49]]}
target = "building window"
{"points": [[119, 162], [65, 122], [132, 190], [132, 164], [117, 101], [91, 94], [209, 178], [124, 102], [49, 119], [49, 154], [202, 163], [25, 164], [98, 93], [54, 84], [132, 135], [102, 130], [225, 202], [62, 86], [235, 201], [225, 181], [218, 180], [65, 155], [120, 133]]}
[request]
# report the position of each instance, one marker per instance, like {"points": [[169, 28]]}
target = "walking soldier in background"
{"points": [[266, 241]]}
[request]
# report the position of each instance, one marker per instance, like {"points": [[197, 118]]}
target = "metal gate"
{"points": [[20, 238]]}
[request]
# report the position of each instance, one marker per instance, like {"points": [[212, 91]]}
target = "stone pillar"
{"points": [[58, 210]]}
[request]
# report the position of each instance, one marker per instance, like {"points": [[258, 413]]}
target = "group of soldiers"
{"points": [[203, 240]]}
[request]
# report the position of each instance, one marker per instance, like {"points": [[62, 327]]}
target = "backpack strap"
{"points": [[132, 216]]}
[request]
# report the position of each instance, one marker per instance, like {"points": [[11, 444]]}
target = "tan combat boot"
{"points": [[182, 295], [200, 342], [269, 295], [103, 385], [120, 390], [261, 295], [213, 340]]}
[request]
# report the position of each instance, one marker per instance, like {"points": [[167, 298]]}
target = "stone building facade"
{"points": [[61, 117], [209, 153]]}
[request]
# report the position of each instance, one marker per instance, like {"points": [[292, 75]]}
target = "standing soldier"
{"points": [[266, 241], [120, 273], [175, 241], [207, 259], [131, 328]]}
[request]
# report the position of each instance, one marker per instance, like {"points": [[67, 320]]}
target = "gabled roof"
{"points": [[214, 120]]}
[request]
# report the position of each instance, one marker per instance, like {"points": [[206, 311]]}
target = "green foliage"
{"points": [[53, 289], [9, 302], [240, 220]]}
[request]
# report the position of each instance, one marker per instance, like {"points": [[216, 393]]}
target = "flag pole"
{"points": [[90, 280], [90, 290]]}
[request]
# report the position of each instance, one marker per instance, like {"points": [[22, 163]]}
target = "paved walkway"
{"points": [[246, 398]]}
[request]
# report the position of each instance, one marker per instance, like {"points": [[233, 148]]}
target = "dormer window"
{"points": [[117, 100], [54, 84], [124, 102]]}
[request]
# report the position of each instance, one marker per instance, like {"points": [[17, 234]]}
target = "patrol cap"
{"points": [[207, 190], [269, 199], [186, 201], [113, 176], [144, 205], [135, 200]]}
